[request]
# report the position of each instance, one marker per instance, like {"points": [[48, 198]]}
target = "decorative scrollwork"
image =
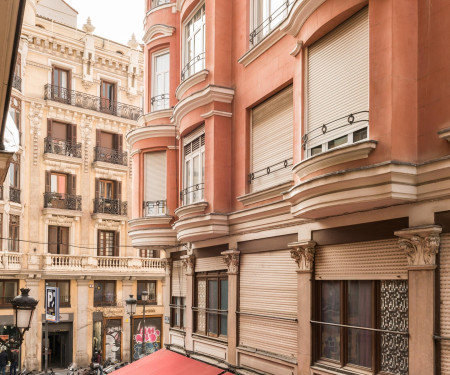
{"points": [[110, 206], [231, 259], [110, 156], [420, 244], [303, 254]]}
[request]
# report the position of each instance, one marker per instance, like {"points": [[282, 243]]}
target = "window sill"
{"points": [[262, 195], [144, 120], [189, 82], [209, 338], [71, 160], [444, 134], [324, 368], [338, 155], [181, 331], [61, 211], [150, 220], [102, 166], [262, 353], [193, 208]]}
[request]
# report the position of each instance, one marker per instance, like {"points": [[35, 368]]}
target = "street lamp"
{"points": [[131, 310], [144, 296]]}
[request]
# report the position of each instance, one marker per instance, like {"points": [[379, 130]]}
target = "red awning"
{"points": [[165, 362]]}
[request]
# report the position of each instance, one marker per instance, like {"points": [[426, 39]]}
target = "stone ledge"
{"points": [[150, 220], [190, 82], [101, 165], [73, 161], [262, 195], [194, 208], [444, 134]]}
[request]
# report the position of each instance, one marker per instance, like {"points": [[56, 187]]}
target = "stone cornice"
{"points": [[300, 12], [189, 264], [444, 134], [152, 131], [194, 208], [258, 196], [190, 82], [155, 115], [151, 220], [157, 31], [303, 253]]}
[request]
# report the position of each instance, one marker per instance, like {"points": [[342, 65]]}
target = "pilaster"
{"points": [[127, 289], [166, 297], [189, 266], [33, 338], [84, 324]]}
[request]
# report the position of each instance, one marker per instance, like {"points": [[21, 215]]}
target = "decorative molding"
{"points": [[60, 220], [107, 224], [153, 10], [303, 253], [190, 82], [298, 47], [110, 169], [156, 32], [86, 136], [202, 227], [150, 220], [151, 131], [62, 162], [35, 117], [231, 259], [262, 195], [151, 238], [62, 212], [300, 12], [189, 264], [167, 264], [155, 116], [420, 244], [444, 134], [216, 113], [194, 208]]}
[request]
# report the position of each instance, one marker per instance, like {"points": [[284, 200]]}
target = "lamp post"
{"points": [[131, 310], [144, 296]]}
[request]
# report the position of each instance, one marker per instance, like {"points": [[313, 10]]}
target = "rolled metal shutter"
{"points": [[209, 264], [444, 257], [338, 77], [272, 140], [261, 275], [155, 176], [178, 279], [373, 260]]}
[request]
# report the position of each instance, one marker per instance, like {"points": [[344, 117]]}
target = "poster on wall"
{"points": [[152, 338], [113, 340]]}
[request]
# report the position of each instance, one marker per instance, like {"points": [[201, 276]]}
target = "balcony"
{"points": [[62, 147], [62, 201], [108, 155], [11, 260], [160, 102], [14, 195], [94, 103], [17, 83], [193, 66], [110, 206], [158, 3], [192, 194], [154, 208]]}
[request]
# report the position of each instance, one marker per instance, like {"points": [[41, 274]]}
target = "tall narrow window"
{"points": [[108, 97], [150, 287], [14, 226], [194, 167], [109, 148], [194, 46], [61, 85], [160, 81], [104, 293], [155, 164], [58, 240], [62, 139], [14, 179], [108, 243]]}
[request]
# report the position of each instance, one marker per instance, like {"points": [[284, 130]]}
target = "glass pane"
{"points": [[10, 289], [213, 303], [187, 181], [64, 79], [98, 292], [330, 307], [54, 183], [151, 288], [359, 313], [337, 142], [110, 292], [223, 306], [64, 292]]}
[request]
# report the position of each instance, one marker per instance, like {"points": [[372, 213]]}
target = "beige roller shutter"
{"points": [[209, 264], [272, 140], [338, 78], [155, 176], [261, 276], [444, 258], [374, 260], [178, 279]]}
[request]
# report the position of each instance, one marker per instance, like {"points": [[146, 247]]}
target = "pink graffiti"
{"points": [[151, 335]]}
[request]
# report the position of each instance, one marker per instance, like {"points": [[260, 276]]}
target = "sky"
{"points": [[113, 19]]}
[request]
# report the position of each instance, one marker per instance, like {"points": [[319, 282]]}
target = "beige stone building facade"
{"points": [[64, 205]]}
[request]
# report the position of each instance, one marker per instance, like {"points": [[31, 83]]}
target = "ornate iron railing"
{"points": [[110, 206], [192, 193], [110, 156], [154, 208], [158, 3], [17, 82], [270, 169], [260, 31], [95, 103], [62, 201], [193, 66], [62, 147], [334, 126], [14, 194], [160, 102]]}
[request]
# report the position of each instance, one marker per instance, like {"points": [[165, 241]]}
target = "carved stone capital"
{"points": [[231, 259], [303, 254], [167, 264], [420, 244], [189, 264]]}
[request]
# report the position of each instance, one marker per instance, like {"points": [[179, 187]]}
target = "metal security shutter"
{"points": [[272, 140], [209, 264], [444, 260], [374, 260], [178, 279], [193, 135], [261, 275], [338, 77], [155, 176]]}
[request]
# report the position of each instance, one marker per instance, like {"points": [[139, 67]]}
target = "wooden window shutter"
{"points": [[119, 142], [52, 239], [99, 244], [97, 188], [48, 181], [73, 135], [64, 240], [49, 128], [98, 137], [72, 184], [116, 243], [118, 190]]}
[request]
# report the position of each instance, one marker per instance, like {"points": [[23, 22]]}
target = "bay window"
{"points": [[160, 81], [194, 167], [194, 44], [155, 165]]}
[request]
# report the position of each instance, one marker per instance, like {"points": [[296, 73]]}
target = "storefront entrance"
{"points": [[60, 345]]}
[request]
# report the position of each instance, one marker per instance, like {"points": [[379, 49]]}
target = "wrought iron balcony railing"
{"points": [[158, 3], [193, 66], [110, 206], [266, 26], [110, 156], [192, 194], [62, 201], [270, 169], [17, 82], [14, 194], [95, 103], [62, 147], [154, 208], [160, 102]]}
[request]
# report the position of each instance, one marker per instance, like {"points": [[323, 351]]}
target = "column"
{"points": [[421, 245], [231, 258], [166, 284], [189, 265], [127, 289], [33, 338], [84, 324], [303, 253]]}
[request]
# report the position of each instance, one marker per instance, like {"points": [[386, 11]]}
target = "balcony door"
{"points": [[61, 84], [108, 97], [58, 240], [108, 243]]}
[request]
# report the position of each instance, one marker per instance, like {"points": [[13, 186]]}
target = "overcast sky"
{"points": [[113, 19]]}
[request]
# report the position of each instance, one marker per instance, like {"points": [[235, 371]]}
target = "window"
{"points": [[62, 139], [108, 243], [108, 196], [14, 226], [8, 290], [104, 293], [60, 191], [363, 305], [194, 167], [109, 148], [58, 183], [342, 81], [64, 291], [61, 85], [58, 240], [147, 253], [155, 183], [194, 46], [108, 99], [150, 287], [160, 81], [178, 312], [212, 304], [106, 189]]}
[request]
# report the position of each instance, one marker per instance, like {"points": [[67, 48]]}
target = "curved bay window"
{"points": [[194, 167], [194, 44]]}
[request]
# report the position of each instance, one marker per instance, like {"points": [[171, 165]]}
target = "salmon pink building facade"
{"points": [[293, 163]]}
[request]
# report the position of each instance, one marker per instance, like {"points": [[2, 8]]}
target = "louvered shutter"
{"points": [[338, 79], [261, 275], [49, 128], [64, 241], [53, 239], [272, 140], [155, 176], [178, 279], [73, 136], [48, 181], [444, 265], [210, 264], [373, 260], [194, 134], [116, 244]]}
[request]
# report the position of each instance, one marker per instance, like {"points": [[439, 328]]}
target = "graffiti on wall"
{"points": [[113, 340], [146, 340]]}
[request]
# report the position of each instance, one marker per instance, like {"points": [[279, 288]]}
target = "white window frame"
{"points": [[160, 102], [191, 193]]}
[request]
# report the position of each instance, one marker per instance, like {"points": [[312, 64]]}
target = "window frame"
{"points": [[154, 82], [189, 197], [14, 233], [186, 71], [103, 251], [59, 243], [139, 296], [103, 284], [178, 309], [3, 303], [56, 283], [107, 104], [145, 253]]}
